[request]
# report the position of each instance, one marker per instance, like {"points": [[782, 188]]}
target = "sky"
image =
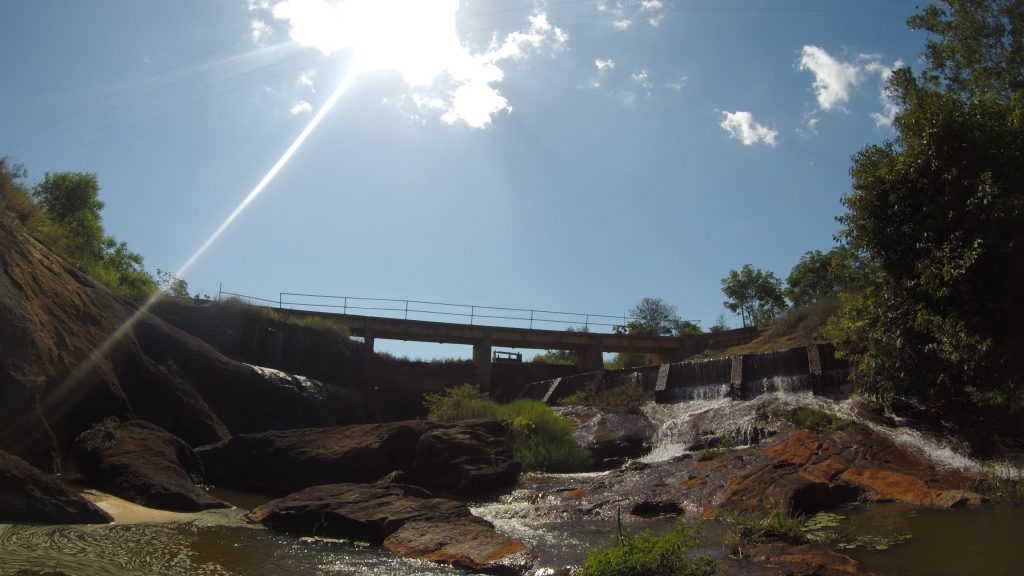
{"points": [[571, 156]]}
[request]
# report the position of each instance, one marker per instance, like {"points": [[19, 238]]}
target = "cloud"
{"points": [[678, 85], [743, 127], [835, 81], [603, 65], [419, 40], [655, 9], [623, 24], [643, 78], [305, 80], [300, 107], [258, 28]]}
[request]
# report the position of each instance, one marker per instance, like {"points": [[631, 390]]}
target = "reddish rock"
{"points": [[406, 519], [610, 438], [32, 497], [803, 560], [143, 463]]}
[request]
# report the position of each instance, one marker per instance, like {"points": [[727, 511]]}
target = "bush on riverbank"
{"points": [[620, 399], [646, 554], [542, 440]]}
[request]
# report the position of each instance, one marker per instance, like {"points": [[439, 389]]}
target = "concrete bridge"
{"points": [[589, 347]]}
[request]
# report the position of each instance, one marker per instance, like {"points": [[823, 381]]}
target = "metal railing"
{"points": [[468, 313]]}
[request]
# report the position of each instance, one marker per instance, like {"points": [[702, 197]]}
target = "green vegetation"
{"points": [[822, 276], [63, 211], [718, 447], [647, 554], [311, 322], [744, 529], [938, 212], [810, 419], [563, 357], [754, 294], [619, 399], [542, 440]]}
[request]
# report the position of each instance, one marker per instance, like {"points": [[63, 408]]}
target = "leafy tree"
{"points": [[754, 294], [172, 285], [651, 317], [819, 275], [940, 211], [684, 327]]}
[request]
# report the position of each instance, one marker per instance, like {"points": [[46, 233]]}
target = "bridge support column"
{"points": [[591, 358], [482, 361]]}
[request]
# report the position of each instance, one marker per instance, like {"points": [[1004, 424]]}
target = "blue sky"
{"points": [[561, 155]]}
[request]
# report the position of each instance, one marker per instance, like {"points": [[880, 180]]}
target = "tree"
{"points": [[651, 317], [754, 294], [560, 356], [939, 210], [819, 275]]}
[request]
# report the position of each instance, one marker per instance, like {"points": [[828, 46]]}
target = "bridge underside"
{"points": [[589, 347]]}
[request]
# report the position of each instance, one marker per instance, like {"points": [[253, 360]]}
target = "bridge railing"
{"points": [[441, 311]]}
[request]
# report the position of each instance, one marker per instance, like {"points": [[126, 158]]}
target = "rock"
{"points": [[610, 438], [473, 457], [29, 496], [803, 560], [654, 508], [143, 463], [957, 499], [282, 461], [406, 519], [464, 458]]}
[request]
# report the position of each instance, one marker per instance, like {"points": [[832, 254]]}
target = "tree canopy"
{"points": [[651, 317], [823, 275], [939, 211], [754, 294]]}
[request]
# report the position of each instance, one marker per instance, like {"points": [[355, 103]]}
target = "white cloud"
{"points": [[643, 78], [678, 85], [656, 10], [300, 107], [258, 28], [622, 24], [419, 40], [603, 65], [305, 80], [743, 127], [835, 81]]}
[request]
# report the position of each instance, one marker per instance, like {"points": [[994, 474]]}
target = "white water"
{"points": [[291, 380], [707, 413]]}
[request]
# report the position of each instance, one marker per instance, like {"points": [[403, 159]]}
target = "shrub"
{"points": [[647, 554], [462, 402], [811, 419], [542, 440], [745, 529], [619, 399]]}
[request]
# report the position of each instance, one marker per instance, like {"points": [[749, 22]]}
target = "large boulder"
{"points": [[474, 457], [406, 519], [468, 457], [611, 438], [143, 463], [32, 497]]}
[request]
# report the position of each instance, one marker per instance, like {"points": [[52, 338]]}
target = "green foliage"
{"points": [[624, 360], [171, 285], [810, 419], [823, 275], [647, 554], [744, 529], [542, 440], [652, 317], [754, 294], [618, 399], [939, 211], [463, 402], [719, 447]]}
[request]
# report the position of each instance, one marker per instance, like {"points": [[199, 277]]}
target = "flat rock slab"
{"points": [[32, 497], [464, 458], [145, 464], [406, 519]]}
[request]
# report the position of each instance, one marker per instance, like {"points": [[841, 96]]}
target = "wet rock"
{"points": [[651, 509], [143, 463], [406, 519], [610, 438], [29, 496], [464, 458], [473, 457], [803, 560]]}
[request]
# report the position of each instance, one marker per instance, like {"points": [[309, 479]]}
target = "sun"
{"points": [[415, 38]]}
